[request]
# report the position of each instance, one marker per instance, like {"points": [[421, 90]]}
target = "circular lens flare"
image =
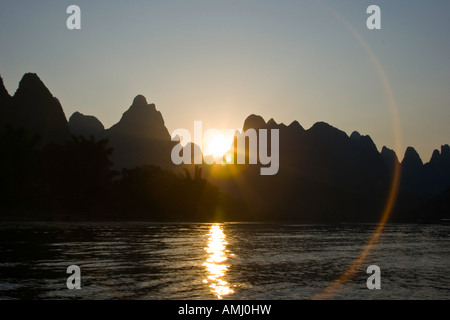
{"points": [[332, 289]]}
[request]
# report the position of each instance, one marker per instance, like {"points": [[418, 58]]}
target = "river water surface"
{"points": [[220, 261]]}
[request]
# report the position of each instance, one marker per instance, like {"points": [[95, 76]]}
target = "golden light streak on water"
{"points": [[215, 265]]}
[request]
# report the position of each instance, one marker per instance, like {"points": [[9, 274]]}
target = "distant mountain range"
{"points": [[140, 137], [35, 108], [324, 173]]}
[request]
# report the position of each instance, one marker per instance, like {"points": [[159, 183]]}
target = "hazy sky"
{"points": [[219, 61]]}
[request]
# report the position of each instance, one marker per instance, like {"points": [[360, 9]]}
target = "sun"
{"points": [[216, 145]]}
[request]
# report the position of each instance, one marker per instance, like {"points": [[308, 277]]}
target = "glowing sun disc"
{"points": [[216, 145]]}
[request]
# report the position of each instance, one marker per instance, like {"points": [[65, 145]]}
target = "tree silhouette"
{"points": [[18, 168], [79, 173]]}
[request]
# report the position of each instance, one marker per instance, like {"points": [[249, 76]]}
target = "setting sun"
{"points": [[216, 144]]}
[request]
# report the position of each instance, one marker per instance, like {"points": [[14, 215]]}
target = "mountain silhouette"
{"points": [[254, 122], [412, 171], [5, 98], [82, 125], [35, 108], [140, 137], [324, 175], [437, 172], [411, 160], [390, 158], [141, 120]]}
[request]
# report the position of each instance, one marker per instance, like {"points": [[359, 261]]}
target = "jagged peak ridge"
{"points": [[356, 136], [443, 155], [295, 125], [142, 120], [445, 151], [32, 87], [85, 125], [389, 156], [140, 100], [4, 94], [325, 129], [3, 90], [254, 121], [272, 123], [412, 157]]}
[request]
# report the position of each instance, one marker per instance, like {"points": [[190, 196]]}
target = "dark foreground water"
{"points": [[219, 261]]}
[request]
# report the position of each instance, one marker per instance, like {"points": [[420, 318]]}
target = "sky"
{"points": [[220, 61]]}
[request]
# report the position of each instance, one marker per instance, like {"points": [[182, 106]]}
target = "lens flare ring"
{"points": [[333, 288]]}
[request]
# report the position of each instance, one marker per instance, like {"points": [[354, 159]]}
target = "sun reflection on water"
{"points": [[215, 262]]}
